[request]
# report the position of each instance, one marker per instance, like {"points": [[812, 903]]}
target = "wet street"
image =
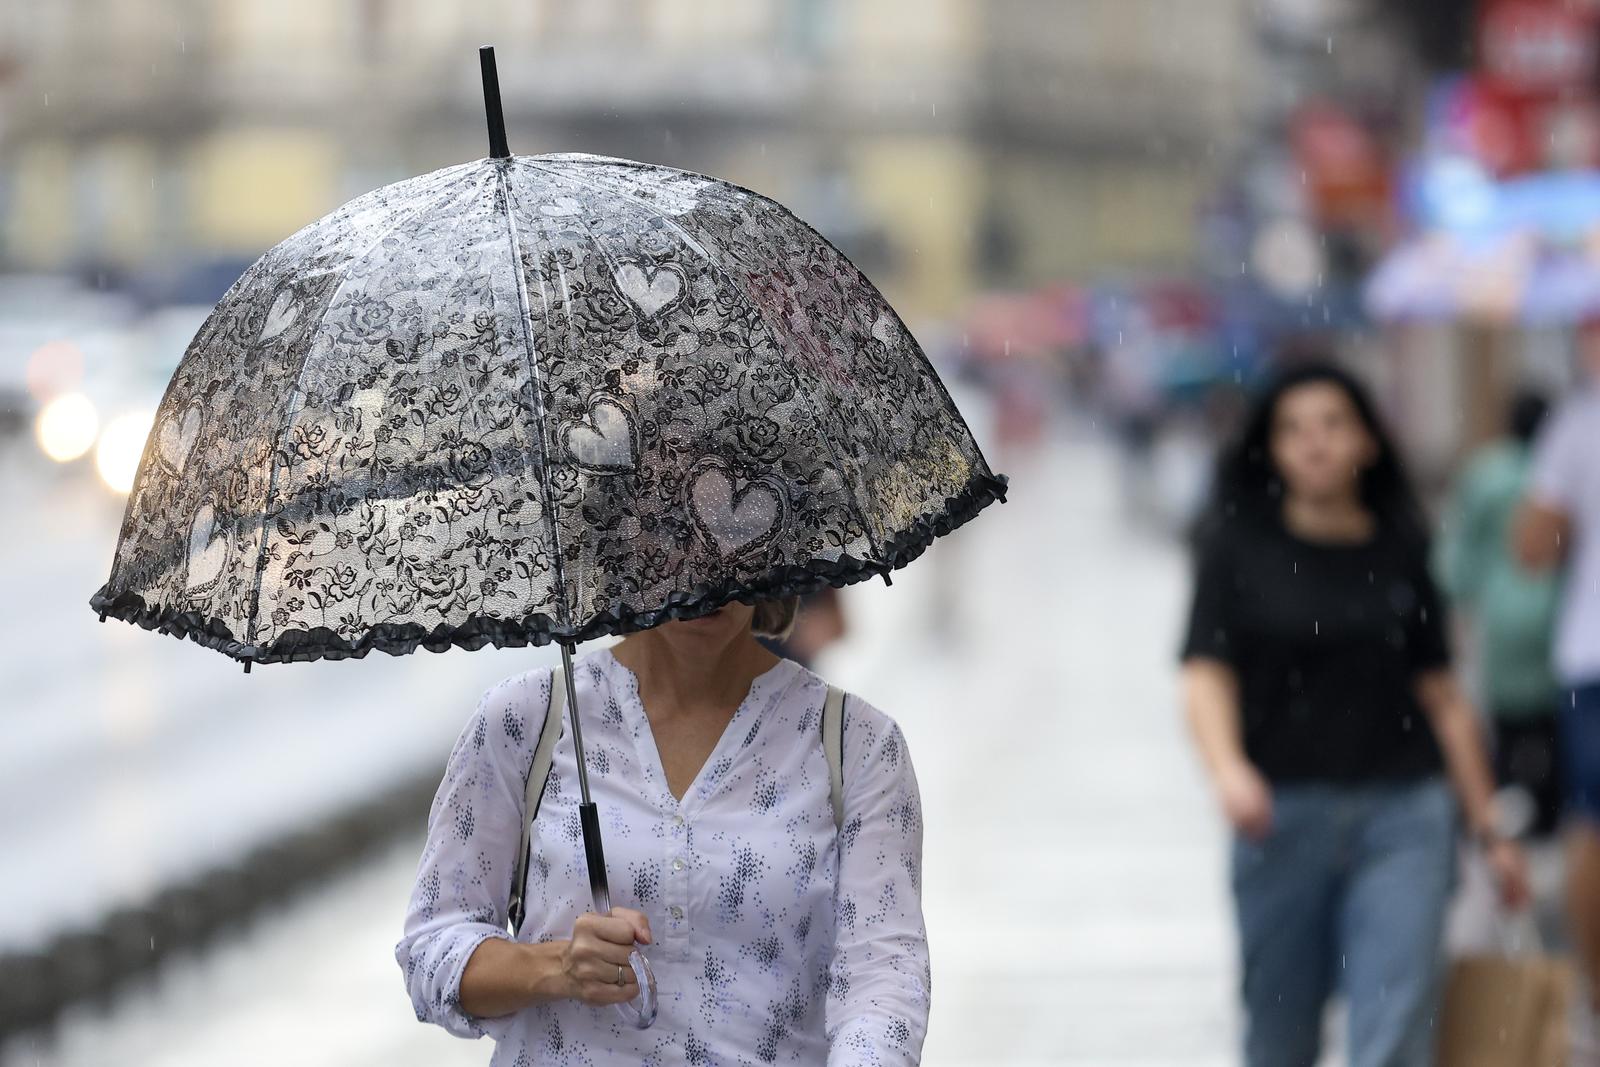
{"points": [[1074, 892]]}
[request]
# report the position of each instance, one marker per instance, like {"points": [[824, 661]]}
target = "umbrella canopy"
{"points": [[534, 398]]}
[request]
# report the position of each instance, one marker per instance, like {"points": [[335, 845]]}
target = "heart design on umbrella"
{"points": [[207, 554], [604, 440], [733, 521], [284, 311], [650, 289], [176, 438]]}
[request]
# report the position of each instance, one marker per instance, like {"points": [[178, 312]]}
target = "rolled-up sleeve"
{"points": [[879, 979], [463, 883]]}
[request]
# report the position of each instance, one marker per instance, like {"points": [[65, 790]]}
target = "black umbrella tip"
{"points": [[491, 104]]}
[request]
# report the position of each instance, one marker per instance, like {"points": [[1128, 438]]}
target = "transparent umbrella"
{"points": [[534, 398]]}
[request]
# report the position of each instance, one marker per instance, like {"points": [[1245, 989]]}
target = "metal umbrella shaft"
{"points": [[588, 814], [641, 1012]]}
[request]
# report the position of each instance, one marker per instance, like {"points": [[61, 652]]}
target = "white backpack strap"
{"points": [[538, 774], [833, 747]]}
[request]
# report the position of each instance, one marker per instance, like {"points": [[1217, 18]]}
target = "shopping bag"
{"points": [[1503, 1010]]}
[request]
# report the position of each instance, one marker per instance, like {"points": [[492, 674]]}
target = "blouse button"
{"points": [[677, 820], [677, 912], [677, 864]]}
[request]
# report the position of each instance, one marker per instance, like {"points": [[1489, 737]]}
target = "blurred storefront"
{"points": [[998, 143], [1495, 278]]}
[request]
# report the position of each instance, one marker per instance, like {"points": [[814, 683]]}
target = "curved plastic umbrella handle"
{"points": [[641, 1010]]}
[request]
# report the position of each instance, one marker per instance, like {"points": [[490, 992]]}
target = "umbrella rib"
{"points": [[199, 343], [288, 425], [689, 239], [536, 384]]}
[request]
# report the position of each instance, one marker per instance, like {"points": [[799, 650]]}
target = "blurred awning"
{"points": [[1522, 251], [1515, 278]]}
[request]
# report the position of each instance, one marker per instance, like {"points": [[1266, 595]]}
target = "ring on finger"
{"points": [[619, 974]]}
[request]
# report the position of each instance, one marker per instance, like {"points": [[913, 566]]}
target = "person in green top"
{"points": [[1513, 611]]}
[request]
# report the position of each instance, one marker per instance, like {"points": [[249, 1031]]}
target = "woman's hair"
{"points": [[1528, 410], [775, 618], [1249, 487]]}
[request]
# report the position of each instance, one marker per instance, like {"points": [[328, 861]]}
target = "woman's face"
{"points": [[709, 634], [1320, 446]]}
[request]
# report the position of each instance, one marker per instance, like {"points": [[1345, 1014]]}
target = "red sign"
{"points": [[1512, 134], [1346, 172], [1539, 48]]}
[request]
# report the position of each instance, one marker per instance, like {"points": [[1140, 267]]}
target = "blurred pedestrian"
{"points": [[819, 624], [1560, 523], [1512, 612], [1318, 687], [1131, 396], [774, 934]]}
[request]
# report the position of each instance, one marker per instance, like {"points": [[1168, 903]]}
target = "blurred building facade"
{"points": [[947, 145]]}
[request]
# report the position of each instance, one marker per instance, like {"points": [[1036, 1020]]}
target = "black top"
{"points": [[1327, 641]]}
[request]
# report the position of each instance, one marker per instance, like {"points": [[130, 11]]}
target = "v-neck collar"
{"points": [[625, 684]]}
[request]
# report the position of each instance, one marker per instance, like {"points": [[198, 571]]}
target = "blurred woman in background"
{"points": [[1511, 611], [1318, 688]]}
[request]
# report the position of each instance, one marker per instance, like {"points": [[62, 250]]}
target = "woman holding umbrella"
{"points": [[767, 943], [551, 398], [1318, 687]]}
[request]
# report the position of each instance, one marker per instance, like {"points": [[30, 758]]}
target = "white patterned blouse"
{"points": [[776, 939]]}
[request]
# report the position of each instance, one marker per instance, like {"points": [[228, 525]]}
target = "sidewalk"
{"points": [[1074, 868]]}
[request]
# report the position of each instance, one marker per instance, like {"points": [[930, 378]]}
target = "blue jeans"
{"points": [[1580, 749], [1347, 893]]}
